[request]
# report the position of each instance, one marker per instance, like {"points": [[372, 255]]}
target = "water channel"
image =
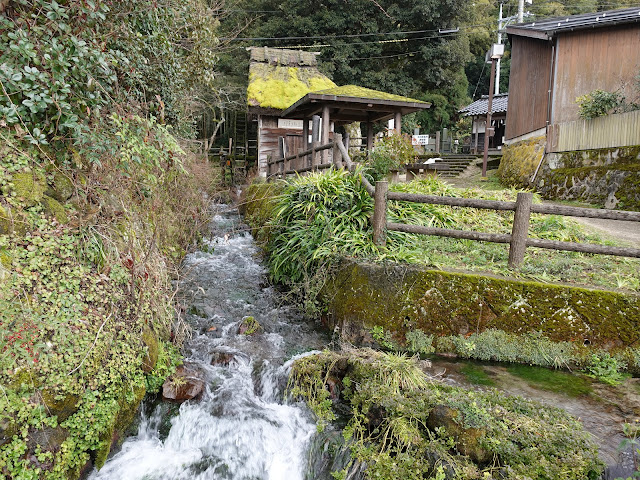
{"points": [[241, 429]]}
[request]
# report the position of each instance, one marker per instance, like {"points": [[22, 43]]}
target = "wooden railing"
{"points": [[523, 207], [518, 240], [312, 159]]}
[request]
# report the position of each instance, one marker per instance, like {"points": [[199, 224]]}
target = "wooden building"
{"points": [[556, 60], [277, 78], [286, 90], [478, 113]]}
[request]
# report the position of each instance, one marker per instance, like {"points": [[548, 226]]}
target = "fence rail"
{"points": [[523, 207]]}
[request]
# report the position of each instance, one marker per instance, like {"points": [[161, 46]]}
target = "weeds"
{"points": [[400, 424]]}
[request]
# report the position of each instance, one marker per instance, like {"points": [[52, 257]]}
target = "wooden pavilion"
{"points": [[350, 103], [286, 91]]}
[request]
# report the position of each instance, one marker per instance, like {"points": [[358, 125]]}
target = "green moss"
{"points": [[5, 221], [151, 342], [29, 187], [55, 209], [61, 187], [477, 375], [552, 380], [59, 405], [520, 160], [400, 298], [279, 87], [366, 93]]}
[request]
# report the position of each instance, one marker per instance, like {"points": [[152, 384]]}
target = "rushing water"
{"points": [[240, 429]]}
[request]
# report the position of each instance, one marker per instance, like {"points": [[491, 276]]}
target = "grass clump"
{"points": [[401, 424], [497, 345]]}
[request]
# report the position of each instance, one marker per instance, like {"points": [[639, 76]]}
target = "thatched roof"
{"points": [[279, 77]]}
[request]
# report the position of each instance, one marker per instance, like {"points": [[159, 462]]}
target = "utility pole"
{"points": [[520, 11], [495, 53], [497, 90]]}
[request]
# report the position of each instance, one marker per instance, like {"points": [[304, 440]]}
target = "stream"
{"points": [[241, 428]]}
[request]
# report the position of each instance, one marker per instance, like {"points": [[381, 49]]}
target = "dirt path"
{"points": [[628, 232]]}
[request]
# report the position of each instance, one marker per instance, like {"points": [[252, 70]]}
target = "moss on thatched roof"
{"points": [[366, 93], [276, 82]]}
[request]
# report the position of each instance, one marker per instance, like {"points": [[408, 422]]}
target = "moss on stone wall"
{"points": [[55, 209], [610, 186], [401, 298], [520, 160], [29, 186]]}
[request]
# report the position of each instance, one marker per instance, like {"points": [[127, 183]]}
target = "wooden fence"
{"points": [[617, 130], [523, 207]]}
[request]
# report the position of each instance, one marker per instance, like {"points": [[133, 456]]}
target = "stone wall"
{"points": [[608, 177], [403, 298]]}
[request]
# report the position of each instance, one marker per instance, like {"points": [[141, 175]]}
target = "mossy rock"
{"points": [[115, 435], [61, 406], [24, 378], [7, 429], [249, 326], [61, 188], [55, 209], [47, 438], [151, 342], [29, 187], [5, 221], [468, 439]]}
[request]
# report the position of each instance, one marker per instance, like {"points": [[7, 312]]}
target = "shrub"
{"points": [[390, 153], [599, 103]]}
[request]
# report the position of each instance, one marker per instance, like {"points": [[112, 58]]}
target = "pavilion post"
{"points": [[476, 126], [305, 139], [326, 125], [397, 123], [369, 136], [315, 137]]}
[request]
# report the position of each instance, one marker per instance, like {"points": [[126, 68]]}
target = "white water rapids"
{"points": [[240, 429]]}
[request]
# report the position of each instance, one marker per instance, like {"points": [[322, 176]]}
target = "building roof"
{"points": [[548, 28], [351, 103], [480, 107], [279, 77]]}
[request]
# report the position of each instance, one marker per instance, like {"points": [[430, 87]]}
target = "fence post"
{"points": [[520, 229], [380, 214], [315, 156]]}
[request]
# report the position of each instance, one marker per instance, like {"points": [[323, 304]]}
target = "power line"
{"points": [[355, 35]]}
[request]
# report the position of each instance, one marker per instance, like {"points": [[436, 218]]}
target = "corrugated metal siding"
{"points": [[528, 86], [619, 130], [605, 58]]}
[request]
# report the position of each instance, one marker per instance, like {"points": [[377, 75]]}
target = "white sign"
{"points": [[292, 124], [420, 140]]}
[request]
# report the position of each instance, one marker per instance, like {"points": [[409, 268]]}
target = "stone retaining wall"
{"points": [[402, 298]]}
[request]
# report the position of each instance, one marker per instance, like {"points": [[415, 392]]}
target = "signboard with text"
{"points": [[419, 139]]}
